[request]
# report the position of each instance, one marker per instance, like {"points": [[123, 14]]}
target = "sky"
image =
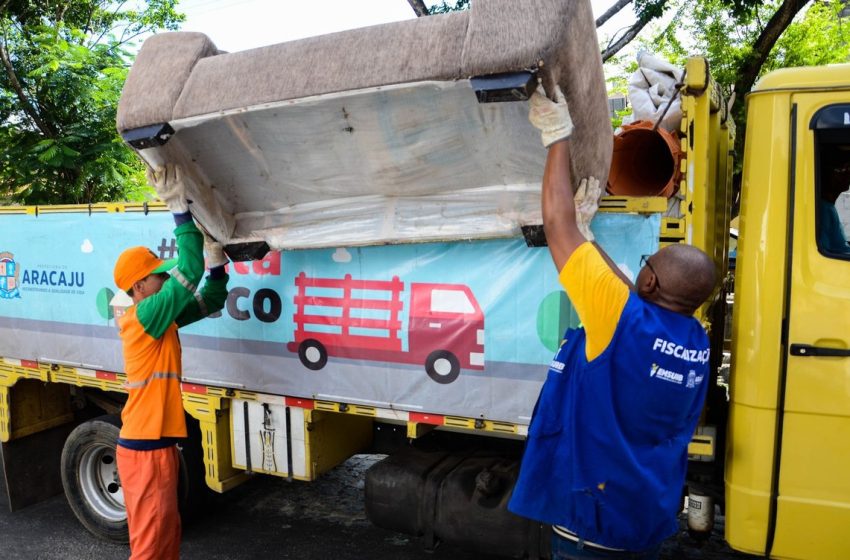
{"points": [[235, 25]]}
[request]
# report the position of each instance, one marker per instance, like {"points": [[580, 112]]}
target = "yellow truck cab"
{"points": [[787, 481]]}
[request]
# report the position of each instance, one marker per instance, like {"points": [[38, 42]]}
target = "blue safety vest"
{"points": [[607, 446]]}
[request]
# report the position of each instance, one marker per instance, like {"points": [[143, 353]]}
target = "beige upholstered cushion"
{"points": [[158, 77], [407, 51]]}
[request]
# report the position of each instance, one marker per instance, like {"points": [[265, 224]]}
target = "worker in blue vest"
{"points": [[607, 445]]}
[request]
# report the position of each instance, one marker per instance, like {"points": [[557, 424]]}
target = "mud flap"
{"points": [[31, 466]]}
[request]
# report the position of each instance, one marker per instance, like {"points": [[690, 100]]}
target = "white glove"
{"points": [[167, 180], [215, 252], [552, 118], [587, 203]]}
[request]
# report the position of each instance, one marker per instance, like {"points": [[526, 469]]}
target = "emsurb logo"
{"points": [[9, 276]]}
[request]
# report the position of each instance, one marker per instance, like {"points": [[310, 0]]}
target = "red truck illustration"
{"points": [[360, 319]]}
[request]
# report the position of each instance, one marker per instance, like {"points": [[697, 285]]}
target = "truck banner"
{"points": [[443, 328]]}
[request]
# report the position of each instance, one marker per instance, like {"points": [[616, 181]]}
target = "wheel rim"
{"points": [[99, 482], [312, 354], [442, 366]]}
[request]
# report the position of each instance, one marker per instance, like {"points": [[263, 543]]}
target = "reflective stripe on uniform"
{"points": [[157, 375], [183, 282], [201, 304]]}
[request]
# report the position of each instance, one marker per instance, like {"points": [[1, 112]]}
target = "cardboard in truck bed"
{"points": [[373, 135], [488, 314]]}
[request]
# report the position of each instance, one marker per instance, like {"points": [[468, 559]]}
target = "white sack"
{"points": [[650, 89]]}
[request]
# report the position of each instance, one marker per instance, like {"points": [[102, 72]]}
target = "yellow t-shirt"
{"points": [[598, 295]]}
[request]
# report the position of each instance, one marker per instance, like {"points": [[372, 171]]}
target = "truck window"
{"points": [[833, 200], [450, 301]]}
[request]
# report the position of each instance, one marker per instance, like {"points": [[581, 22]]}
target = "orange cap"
{"points": [[136, 263]]}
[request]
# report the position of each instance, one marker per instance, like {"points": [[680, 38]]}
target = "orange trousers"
{"points": [[149, 481]]}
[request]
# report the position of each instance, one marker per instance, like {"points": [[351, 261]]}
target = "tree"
{"points": [[742, 48], [62, 66], [755, 57], [646, 11], [745, 45]]}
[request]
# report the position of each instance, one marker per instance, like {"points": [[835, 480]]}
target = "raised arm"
{"points": [[566, 216], [214, 292], [559, 215], [553, 120], [177, 298]]}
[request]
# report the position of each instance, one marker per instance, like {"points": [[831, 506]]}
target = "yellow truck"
{"points": [[787, 491], [353, 328]]}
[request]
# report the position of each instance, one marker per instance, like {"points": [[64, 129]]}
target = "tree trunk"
{"points": [[633, 31], [419, 7], [749, 70], [22, 96], [612, 11], [777, 24]]}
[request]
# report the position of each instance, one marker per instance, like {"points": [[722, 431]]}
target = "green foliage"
{"points": [[817, 36], [620, 116], [68, 61], [444, 7], [650, 9]]}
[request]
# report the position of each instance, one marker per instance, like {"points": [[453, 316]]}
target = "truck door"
{"points": [[811, 488]]}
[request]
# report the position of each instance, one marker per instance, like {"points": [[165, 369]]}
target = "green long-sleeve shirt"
{"points": [[178, 301]]}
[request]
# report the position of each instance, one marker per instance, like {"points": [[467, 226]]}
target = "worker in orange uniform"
{"points": [[153, 420]]}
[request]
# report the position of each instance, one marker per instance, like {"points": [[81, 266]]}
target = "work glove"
{"points": [[552, 118], [167, 181], [215, 252], [587, 203]]}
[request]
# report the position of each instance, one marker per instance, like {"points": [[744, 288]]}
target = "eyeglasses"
{"points": [[644, 260]]}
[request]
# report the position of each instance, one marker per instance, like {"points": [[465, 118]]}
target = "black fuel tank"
{"points": [[457, 498]]}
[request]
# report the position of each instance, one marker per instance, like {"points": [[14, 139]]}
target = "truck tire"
{"points": [[312, 354], [442, 366], [90, 478], [92, 487]]}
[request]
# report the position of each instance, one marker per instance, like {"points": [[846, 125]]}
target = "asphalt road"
{"points": [[268, 518]]}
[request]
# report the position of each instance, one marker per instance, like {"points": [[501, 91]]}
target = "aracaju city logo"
{"points": [[9, 276], [52, 278]]}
